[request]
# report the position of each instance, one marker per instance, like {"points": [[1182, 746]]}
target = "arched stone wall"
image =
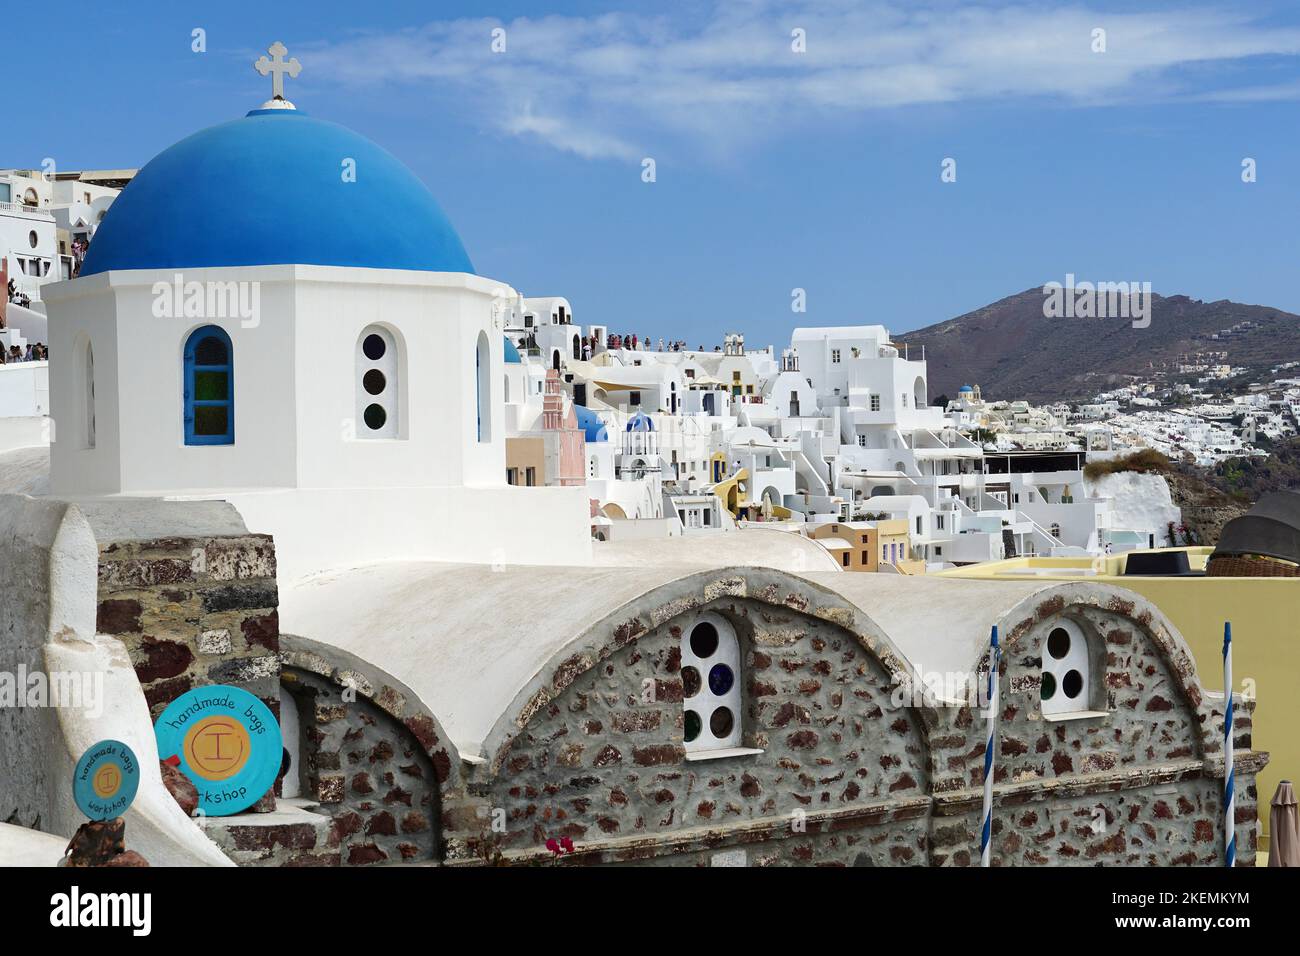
{"points": [[376, 760], [591, 756], [1136, 783]]}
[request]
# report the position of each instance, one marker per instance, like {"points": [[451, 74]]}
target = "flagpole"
{"points": [[986, 832], [1229, 795]]}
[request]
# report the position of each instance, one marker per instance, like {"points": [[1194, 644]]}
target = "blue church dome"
{"points": [[591, 425], [271, 189], [640, 422], [512, 354]]}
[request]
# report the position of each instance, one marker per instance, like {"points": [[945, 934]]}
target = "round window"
{"points": [[375, 417], [33, 239], [1058, 643], [720, 679], [693, 725], [721, 722], [690, 681], [711, 674], [1066, 667], [374, 381], [374, 346], [704, 640]]}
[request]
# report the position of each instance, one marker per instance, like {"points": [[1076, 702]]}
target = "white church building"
{"points": [[294, 352]]}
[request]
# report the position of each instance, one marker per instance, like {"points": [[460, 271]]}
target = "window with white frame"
{"points": [[377, 395], [711, 696], [875, 403], [1067, 677], [835, 356]]}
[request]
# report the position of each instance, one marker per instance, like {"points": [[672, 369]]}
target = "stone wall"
{"points": [[841, 777], [370, 774], [848, 769], [194, 611], [1139, 784], [376, 761], [849, 773]]}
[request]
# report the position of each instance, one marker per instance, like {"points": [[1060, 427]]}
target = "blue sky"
{"points": [[775, 170]]}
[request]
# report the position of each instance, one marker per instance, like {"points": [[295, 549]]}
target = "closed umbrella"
{"points": [[1284, 840]]}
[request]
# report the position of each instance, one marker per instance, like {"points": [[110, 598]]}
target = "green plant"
{"points": [[1144, 461]]}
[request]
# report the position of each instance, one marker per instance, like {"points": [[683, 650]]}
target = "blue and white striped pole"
{"points": [[1229, 794], [986, 832]]}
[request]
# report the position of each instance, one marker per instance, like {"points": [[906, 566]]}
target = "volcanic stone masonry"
{"points": [[194, 611], [847, 770], [849, 773]]}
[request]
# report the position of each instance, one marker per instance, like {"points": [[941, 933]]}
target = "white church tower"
{"points": [[277, 312]]}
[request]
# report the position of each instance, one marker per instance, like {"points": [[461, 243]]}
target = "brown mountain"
{"points": [[1012, 351]]}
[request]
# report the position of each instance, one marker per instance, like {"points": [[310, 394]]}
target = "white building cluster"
{"points": [[1183, 420], [47, 220], [837, 428]]}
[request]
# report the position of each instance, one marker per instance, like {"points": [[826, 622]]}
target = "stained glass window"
{"points": [[209, 416]]}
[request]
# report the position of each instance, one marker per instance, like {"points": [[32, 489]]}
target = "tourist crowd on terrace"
{"points": [[32, 353], [18, 298]]}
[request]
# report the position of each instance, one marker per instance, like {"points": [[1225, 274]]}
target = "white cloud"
{"points": [[622, 85]]}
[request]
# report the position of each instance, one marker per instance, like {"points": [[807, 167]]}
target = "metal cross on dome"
{"points": [[277, 66]]}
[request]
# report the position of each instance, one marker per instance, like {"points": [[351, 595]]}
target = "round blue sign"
{"points": [[105, 780], [226, 741]]}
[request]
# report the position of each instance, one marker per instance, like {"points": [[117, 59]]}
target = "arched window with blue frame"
{"points": [[209, 388]]}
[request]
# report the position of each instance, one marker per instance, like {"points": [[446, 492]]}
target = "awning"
{"points": [[1270, 529]]}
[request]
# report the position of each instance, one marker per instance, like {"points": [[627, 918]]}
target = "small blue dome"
{"points": [[593, 427], [270, 189], [640, 422], [965, 388], [512, 354]]}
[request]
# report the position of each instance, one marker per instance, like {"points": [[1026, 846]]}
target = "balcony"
{"points": [[21, 209]]}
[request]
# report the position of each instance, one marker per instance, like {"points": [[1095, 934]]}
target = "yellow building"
{"points": [[1265, 616], [526, 461], [866, 545]]}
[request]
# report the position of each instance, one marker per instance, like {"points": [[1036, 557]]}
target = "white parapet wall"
{"points": [[24, 390], [326, 529], [24, 431]]}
